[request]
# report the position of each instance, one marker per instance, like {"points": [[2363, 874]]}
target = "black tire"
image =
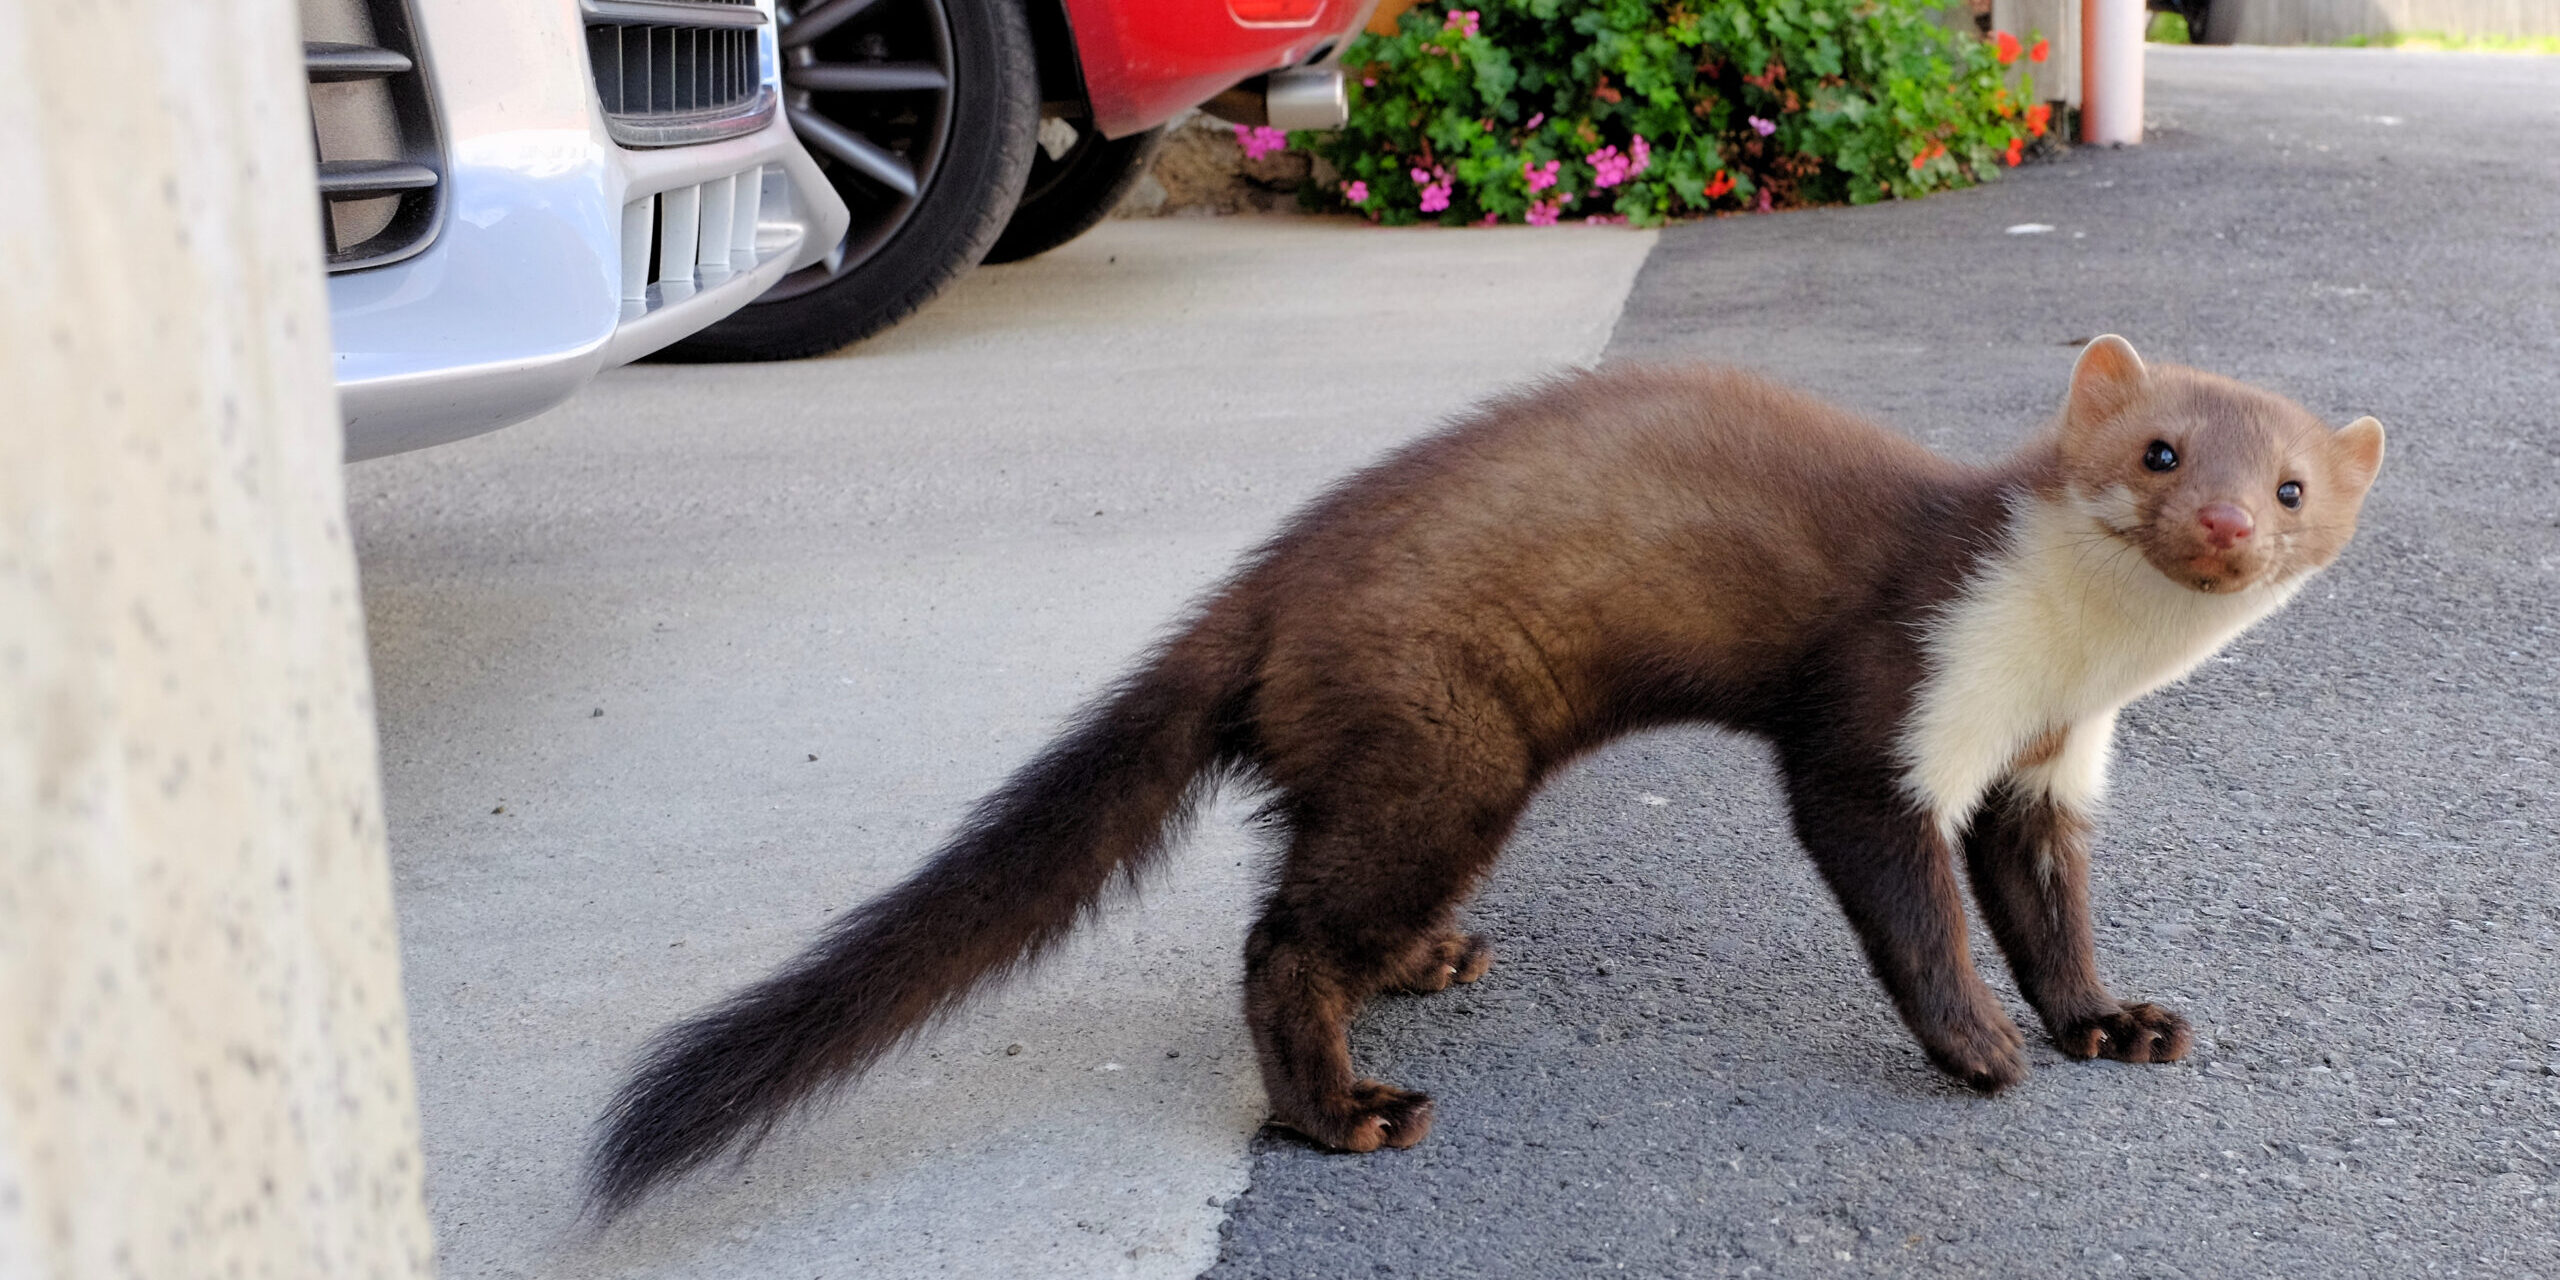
{"points": [[966, 147], [1067, 195]]}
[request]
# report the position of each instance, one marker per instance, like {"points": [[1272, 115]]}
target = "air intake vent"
{"points": [[673, 72], [677, 243], [373, 126]]}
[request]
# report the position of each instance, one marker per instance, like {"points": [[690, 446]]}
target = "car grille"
{"points": [[673, 72], [373, 127]]}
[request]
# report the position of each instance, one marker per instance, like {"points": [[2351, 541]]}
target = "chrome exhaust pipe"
{"points": [[1306, 98]]}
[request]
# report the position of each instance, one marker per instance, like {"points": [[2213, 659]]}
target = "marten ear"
{"points": [[2358, 450], [2107, 378]]}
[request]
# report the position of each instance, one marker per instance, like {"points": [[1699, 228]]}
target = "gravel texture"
{"points": [[2332, 848]]}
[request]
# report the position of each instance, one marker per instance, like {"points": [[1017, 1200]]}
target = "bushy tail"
{"points": [[1029, 862]]}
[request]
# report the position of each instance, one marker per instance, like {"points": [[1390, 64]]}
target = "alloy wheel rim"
{"points": [[867, 86]]}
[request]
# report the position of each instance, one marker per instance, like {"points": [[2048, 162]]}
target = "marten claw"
{"points": [[1451, 957], [2141, 1032], [1371, 1115]]}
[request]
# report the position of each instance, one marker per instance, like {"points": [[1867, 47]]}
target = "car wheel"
{"points": [[1072, 190], [924, 114]]}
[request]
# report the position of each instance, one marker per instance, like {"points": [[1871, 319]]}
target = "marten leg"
{"points": [[1363, 903], [2029, 858], [1895, 880]]}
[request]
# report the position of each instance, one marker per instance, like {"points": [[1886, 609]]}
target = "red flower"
{"points": [[2006, 46], [1723, 183], [2037, 54], [2016, 145], [2037, 115]]}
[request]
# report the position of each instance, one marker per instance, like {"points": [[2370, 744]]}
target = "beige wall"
{"points": [[2330, 21], [204, 1064], [2055, 21]]}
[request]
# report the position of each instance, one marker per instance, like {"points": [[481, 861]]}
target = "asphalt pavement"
{"points": [[2333, 848]]}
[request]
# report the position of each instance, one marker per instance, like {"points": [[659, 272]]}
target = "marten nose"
{"points": [[2225, 523]]}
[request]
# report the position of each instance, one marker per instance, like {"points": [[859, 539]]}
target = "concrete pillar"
{"points": [[2111, 33], [204, 1062]]}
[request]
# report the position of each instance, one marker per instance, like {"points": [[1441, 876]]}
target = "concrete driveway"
{"points": [[671, 674]]}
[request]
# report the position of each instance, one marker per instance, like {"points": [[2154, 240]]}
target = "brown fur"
{"points": [[1408, 660]]}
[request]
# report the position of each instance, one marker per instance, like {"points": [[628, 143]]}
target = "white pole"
{"points": [[204, 1058], [2111, 70]]}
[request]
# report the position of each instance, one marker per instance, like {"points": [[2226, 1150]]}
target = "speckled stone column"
{"points": [[204, 1068]]}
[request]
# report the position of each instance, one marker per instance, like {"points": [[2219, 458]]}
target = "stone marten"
{"points": [[1936, 651]]}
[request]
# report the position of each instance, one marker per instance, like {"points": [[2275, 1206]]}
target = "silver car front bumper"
{"points": [[560, 252]]}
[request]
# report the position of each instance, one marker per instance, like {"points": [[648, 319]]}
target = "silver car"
{"points": [[518, 194]]}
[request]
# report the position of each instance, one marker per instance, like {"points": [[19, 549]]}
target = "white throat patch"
{"points": [[2057, 629]]}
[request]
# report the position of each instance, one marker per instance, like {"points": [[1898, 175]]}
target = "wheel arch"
{"points": [[1053, 44]]}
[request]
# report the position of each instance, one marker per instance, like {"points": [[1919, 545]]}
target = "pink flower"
{"points": [[1763, 127], [1607, 220], [1489, 219], [1435, 186], [1260, 140], [1542, 213], [1368, 82], [1608, 168], [1462, 21], [1355, 192], [1536, 120], [1540, 177]]}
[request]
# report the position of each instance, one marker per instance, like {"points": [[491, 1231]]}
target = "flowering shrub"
{"points": [[1639, 110]]}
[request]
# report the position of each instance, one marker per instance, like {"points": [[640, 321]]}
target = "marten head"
{"points": [[2219, 485]]}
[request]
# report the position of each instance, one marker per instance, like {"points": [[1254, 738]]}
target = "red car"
{"points": [[967, 130]]}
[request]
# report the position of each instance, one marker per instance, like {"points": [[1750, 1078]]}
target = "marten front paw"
{"points": [[1990, 1055], [1451, 957], [1367, 1116], [2134, 1033]]}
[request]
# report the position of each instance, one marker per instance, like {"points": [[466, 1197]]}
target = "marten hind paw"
{"points": [[1367, 1116], [1451, 957], [2134, 1033]]}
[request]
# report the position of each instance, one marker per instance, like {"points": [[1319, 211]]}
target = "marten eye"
{"points": [[2290, 494], [2160, 457]]}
